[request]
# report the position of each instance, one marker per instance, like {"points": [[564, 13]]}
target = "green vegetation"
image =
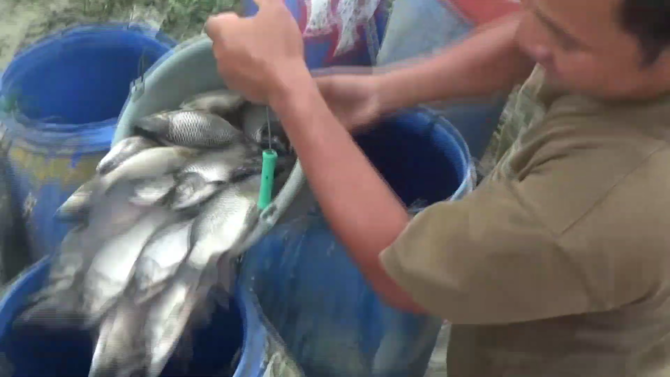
{"points": [[181, 19]]}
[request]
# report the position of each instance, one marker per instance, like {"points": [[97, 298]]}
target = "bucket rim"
{"points": [[197, 42], [469, 175], [138, 28], [254, 332], [41, 131]]}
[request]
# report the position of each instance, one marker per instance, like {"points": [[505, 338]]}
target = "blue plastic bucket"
{"points": [[65, 93], [317, 299], [337, 32], [34, 351]]}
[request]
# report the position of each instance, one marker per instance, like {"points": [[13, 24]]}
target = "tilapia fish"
{"points": [[153, 191], [219, 102], [57, 304], [224, 223], [171, 315], [113, 266], [195, 129], [148, 163], [123, 150], [255, 126], [160, 259], [202, 177], [76, 207], [120, 348]]}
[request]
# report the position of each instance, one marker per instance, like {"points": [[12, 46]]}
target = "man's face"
{"points": [[582, 46]]}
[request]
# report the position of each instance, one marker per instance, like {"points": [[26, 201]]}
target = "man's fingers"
{"points": [[342, 70], [215, 25]]}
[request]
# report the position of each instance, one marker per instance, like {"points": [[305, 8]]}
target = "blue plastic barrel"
{"points": [[337, 32], [27, 351], [317, 299], [62, 98]]}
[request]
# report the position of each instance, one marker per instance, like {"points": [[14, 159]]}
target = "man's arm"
{"points": [[487, 63], [360, 207]]}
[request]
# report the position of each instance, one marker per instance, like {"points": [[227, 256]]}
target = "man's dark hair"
{"points": [[649, 21]]}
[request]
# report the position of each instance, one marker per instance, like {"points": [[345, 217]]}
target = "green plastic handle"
{"points": [[267, 178]]}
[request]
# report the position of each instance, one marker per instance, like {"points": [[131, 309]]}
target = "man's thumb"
{"points": [[216, 24]]}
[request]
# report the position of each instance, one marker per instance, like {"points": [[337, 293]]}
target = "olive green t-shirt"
{"points": [[558, 264]]}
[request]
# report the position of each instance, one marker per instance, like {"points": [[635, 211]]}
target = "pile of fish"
{"points": [[154, 227]]}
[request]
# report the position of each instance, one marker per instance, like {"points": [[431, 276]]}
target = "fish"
{"points": [[122, 151], [113, 265], [202, 177], [57, 304], [153, 191], [76, 207], [188, 128], [220, 102], [160, 260], [61, 303], [120, 348], [114, 214], [224, 223], [148, 163], [255, 126], [171, 315]]}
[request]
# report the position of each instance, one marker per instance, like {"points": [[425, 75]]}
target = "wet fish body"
{"points": [[224, 222], [219, 102], [57, 305], [170, 316], [76, 207], [153, 191], [113, 266], [123, 150], [160, 259], [148, 163], [200, 179], [188, 128], [120, 347]]}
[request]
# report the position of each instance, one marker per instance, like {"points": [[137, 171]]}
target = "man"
{"points": [[420, 28], [558, 264]]}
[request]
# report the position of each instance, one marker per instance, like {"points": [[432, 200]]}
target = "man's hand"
{"points": [[258, 56], [353, 99]]}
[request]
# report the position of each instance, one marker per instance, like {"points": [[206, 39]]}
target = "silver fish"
{"points": [[224, 223], [195, 129], [123, 150], [160, 259], [219, 102], [170, 316], [120, 347], [60, 304], [152, 191], [113, 266], [76, 207], [114, 214], [57, 304], [148, 163], [255, 125], [202, 177]]}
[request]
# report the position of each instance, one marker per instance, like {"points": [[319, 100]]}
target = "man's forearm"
{"points": [[360, 207], [485, 64]]}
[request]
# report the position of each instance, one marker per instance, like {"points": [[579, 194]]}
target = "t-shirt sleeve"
{"points": [[487, 259]]}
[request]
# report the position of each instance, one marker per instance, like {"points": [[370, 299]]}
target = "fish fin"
{"points": [[52, 290], [58, 311], [135, 365]]}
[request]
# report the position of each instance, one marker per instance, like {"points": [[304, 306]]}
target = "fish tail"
{"points": [[60, 310]]}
